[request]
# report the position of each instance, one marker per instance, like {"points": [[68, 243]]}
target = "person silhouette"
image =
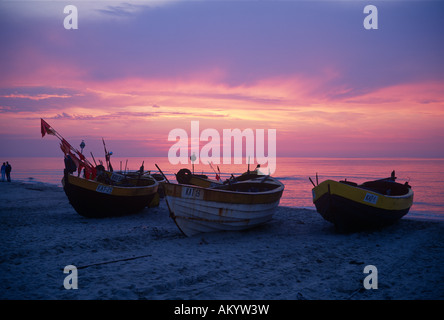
{"points": [[3, 171], [8, 171]]}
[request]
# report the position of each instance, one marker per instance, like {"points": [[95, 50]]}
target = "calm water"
{"points": [[426, 176]]}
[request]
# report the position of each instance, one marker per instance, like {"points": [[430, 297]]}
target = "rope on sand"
{"points": [[112, 261]]}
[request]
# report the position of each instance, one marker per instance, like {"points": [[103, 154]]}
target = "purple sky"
{"points": [[296, 64]]}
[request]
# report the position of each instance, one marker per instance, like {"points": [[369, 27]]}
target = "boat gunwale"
{"points": [[279, 187], [359, 186], [87, 183]]}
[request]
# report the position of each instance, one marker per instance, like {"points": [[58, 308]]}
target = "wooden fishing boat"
{"points": [[94, 199], [373, 204], [226, 207], [98, 192]]}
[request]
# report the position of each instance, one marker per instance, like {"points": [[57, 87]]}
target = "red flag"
{"points": [[81, 156], [73, 158], [79, 169], [65, 146], [90, 173], [69, 150], [45, 128]]}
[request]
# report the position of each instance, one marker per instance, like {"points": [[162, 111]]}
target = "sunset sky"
{"points": [[135, 70]]}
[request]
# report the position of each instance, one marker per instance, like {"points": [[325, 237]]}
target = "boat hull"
{"points": [[96, 200], [198, 210], [352, 208]]}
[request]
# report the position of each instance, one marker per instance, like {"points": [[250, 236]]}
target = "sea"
{"points": [[426, 176]]}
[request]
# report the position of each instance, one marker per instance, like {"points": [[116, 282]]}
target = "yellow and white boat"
{"points": [[232, 206]]}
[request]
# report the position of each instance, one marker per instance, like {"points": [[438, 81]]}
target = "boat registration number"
{"points": [[117, 177], [371, 198], [192, 193], [104, 189]]}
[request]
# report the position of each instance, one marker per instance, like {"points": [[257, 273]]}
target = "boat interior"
{"points": [[385, 186], [257, 184], [125, 180]]}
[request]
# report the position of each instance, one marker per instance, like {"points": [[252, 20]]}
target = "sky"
{"points": [[133, 71]]}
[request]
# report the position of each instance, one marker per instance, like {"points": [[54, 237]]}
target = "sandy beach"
{"points": [[296, 256]]}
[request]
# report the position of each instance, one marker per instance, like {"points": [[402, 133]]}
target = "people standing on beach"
{"points": [[3, 171], [8, 171]]}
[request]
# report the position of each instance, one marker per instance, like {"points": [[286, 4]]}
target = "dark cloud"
{"points": [[38, 98]]}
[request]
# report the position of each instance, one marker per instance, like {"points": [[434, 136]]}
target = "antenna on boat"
{"points": [[107, 157], [312, 182], [393, 175], [215, 172], [317, 181], [161, 173], [93, 158], [248, 169], [193, 158]]}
